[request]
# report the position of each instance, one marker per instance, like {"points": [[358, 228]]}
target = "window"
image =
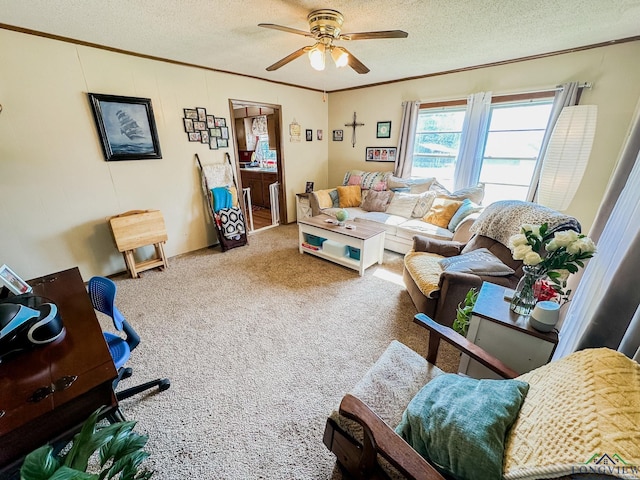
{"points": [[510, 143]]}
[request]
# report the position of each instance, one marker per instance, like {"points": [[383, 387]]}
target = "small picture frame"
{"points": [[224, 132], [198, 125], [188, 125], [204, 136], [222, 142], [195, 136], [211, 122], [191, 113], [309, 187], [383, 130], [337, 135], [220, 122], [216, 132], [12, 281], [309, 135], [202, 114], [381, 154], [319, 134], [213, 143]]}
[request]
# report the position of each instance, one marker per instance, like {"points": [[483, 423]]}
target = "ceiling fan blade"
{"points": [[287, 59], [285, 29], [356, 64], [374, 35]]}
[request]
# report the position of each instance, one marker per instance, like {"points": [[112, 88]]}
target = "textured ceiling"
{"points": [[443, 34]]}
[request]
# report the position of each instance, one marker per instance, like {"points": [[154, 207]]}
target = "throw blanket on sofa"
{"points": [[502, 219], [581, 415]]}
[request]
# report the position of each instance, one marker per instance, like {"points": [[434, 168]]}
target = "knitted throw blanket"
{"points": [[581, 415], [502, 219]]}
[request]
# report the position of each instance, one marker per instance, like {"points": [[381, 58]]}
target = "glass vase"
{"points": [[525, 294]]}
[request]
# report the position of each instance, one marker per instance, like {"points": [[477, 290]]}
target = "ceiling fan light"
{"points": [[316, 56], [340, 57]]}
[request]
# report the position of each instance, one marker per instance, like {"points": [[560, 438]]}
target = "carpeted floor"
{"points": [[260, 344]]}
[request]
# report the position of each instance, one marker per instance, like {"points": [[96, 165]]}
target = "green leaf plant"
{"points": [[463, 312], [120, 455]]}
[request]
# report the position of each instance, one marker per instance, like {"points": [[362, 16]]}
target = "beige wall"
{"points": [[614, 72], [56, 189]]}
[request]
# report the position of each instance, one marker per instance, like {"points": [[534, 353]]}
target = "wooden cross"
{"points": [[353, 124]]}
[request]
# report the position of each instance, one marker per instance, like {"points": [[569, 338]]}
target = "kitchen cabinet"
{"points": [[258, 181]]}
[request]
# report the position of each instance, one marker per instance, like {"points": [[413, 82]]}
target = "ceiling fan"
{"points": [[324, 27]]}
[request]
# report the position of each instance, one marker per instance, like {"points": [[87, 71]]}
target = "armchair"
{"points": [[599, 413], [437, 292]]}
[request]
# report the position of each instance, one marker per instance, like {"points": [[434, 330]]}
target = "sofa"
{"points": [[403, 207]]}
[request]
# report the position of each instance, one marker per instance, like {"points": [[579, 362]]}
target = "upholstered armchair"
{"points": [[437, 289]]}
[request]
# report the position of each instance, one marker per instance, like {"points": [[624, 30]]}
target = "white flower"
{"points": [[581, 245], [517, 239], [563, 239], [552, 246], [521, 251], [532, 258]]}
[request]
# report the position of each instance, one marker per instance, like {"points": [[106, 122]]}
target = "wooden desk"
{"points": [[74, 375]]}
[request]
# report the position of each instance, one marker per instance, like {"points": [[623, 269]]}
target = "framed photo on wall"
{"points": [[126, 127], [383, 130], [381, 154], [309, 135], [337, 135]]}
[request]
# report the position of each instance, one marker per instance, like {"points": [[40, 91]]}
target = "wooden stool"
{"points": [[138, 228]]}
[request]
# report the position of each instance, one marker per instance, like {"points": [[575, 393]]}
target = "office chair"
{"points": [[103, 293]]}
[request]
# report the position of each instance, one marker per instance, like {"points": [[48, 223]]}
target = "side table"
{"points": [[303, 207], [506, 335]]}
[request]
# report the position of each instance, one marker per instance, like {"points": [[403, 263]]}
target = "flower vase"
{"points": [[525, 295]]}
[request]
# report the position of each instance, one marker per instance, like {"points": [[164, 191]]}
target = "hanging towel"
{"points": [[231, 222], [222, 198]]}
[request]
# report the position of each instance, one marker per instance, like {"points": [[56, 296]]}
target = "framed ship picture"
{"points": [[126, 127]]}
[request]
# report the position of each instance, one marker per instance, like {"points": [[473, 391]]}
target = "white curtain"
{"points": [[407, 138], [566, 96], [603, 311], [469, 161]]}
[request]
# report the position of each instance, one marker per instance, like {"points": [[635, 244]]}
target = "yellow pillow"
{"points": [[234, 195], [324, 199], [350, 196], [441, 212]]}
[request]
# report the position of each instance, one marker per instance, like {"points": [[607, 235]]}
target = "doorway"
{"points": [[259, 162]]}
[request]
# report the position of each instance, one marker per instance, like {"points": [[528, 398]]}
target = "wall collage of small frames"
{"points": [[204, 128]]}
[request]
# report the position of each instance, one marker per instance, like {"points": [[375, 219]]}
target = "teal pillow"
{"points": [[459, 424], [335, 198], [466, 209]]}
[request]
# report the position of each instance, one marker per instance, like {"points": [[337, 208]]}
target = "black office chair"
{"points": [[103, 293]]}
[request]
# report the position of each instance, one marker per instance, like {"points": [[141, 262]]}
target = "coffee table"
{"points": [[370, 241]]}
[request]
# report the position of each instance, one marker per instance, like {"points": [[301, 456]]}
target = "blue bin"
{"points": [[354, 253], [314, 240]]}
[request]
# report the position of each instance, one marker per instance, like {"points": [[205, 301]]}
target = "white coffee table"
{"points": [[370, 241]]}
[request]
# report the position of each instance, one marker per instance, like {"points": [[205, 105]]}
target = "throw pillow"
{"points": [[421, 185], [379, 186], [466, 209], [440, 189], [355, 180], [423, 204], [334, 198], [324, 198], [479, 262], [442, 211], [475, 194], [459, 424], [402, 204], [350, 196], [397, 182], [377, 201]]}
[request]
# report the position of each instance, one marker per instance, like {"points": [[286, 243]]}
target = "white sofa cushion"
{"points": [[417, 227]]}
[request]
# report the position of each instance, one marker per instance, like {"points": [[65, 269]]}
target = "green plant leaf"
{"points": [[39, 464], [66, 473]]}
